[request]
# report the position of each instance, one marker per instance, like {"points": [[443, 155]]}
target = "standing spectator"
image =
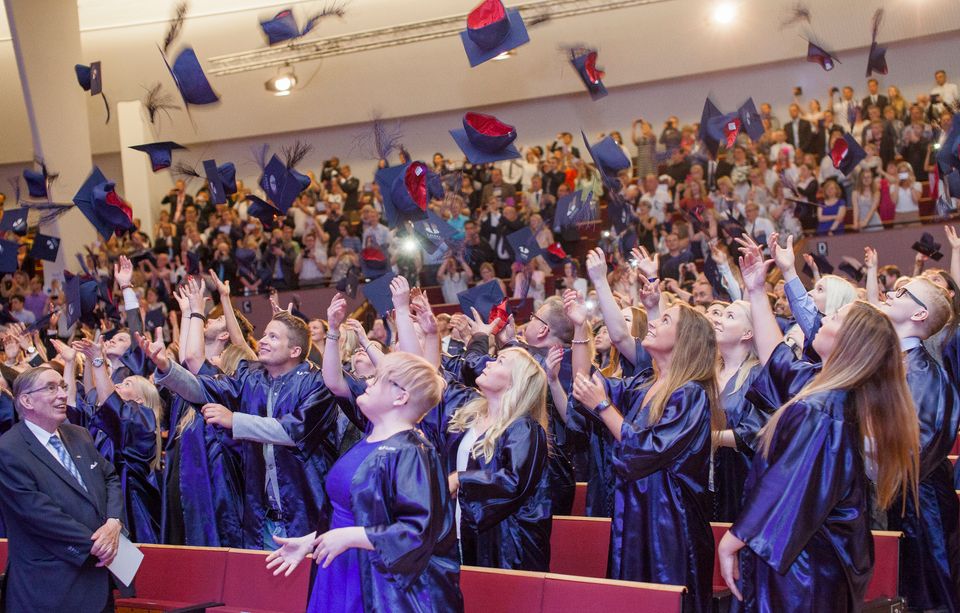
{"points": [[766, 114], [373, 230], [477, 251], [659, 200], [552, 177], [535, 194], [866, 202], [844, 108], [564, 144], [833, 208], [498, 188], [946, 93], [178, 199], [670, 136], [781, 146], [331, 225], [914, 141], [873, 98], [311, 264], [351, 188], [906, 194], [646, 142], [898, 102], [798, 130], [454, 276]]}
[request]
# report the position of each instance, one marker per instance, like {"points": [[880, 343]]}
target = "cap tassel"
{"points": [[175, 26], [877, 22], [158, 100], [334, 9], [798, 13], [295, 154]]}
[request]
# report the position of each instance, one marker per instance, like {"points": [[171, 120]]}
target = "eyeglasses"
{"points": [[50, 388], [903, 291], [540, 319], [375, 379]]}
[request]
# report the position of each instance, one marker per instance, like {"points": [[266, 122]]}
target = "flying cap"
{"points": [[161, 153], [102, 207], [491, 30], [584, 61], [484, 139]]}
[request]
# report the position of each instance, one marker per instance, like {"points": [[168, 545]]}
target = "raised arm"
{"points": [[229, 315], [612, 317], [420, 307], [373, 351], [873, 285], [801, 304], [69, 356], [332, 368], [184, 336], [753, 269], [406, 333], [552, 367], [101, 377], [954, 251], [581, 350], [194, 354]]}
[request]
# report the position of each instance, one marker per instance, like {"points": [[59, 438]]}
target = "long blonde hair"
{"points": [[839, 291], [752, 359], [151, 400], [638, 329], [694, 359], [527, 395], [229, 360], [866, 364]]}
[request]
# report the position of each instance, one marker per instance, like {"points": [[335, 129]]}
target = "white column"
{"points": [[142, 188]]}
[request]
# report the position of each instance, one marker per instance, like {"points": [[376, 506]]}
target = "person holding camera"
{"points": [[906, 194], [454, 276]]}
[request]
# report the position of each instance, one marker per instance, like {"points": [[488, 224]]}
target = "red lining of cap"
{"points": [[839, 151], [731, 134], [283, 13], [499, 312], [417, 183], [114, 200], [489, 11], [590, 65], [557, 250], [487, 124]]}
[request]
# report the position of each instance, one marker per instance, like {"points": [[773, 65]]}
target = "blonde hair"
{"points": [[229, 360], [752, 359], [414, 375], [151, 400], [939, 309], [839, 291], [694, 358], [527, 395], [865, 363]]}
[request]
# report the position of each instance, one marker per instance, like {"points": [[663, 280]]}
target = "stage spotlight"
{"points": [[725, 13], [283, 83], [410, 245]]}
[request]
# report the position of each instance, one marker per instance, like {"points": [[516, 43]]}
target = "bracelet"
{"points": [[199, 316], [123, 287], [583, 342], [333, 337]]}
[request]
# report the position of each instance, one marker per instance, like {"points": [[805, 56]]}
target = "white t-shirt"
{"points": [[463, 459], [905, 201]]}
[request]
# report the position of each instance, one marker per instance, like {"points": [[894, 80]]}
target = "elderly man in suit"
{"points": [[61, 501]]}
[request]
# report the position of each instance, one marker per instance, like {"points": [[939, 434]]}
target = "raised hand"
{"points": [[870, 259], [155, 351], [589, 391], [352, 325], [423, 315], [596, 266], [123, 271], [217, 415], [89, 349], [66, 352], [195, 297], [222, 287], [481, 328], [753, 268], [647, 265], [182, 300], [574, 307], [717, 254], [336, 312], [400, 292], [275, 303], [952, 237], [460, 327], [554, 358]]}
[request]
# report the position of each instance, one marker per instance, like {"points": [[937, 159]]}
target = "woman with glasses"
{"points": [[124, 420], [803, 535], [387, 540]]}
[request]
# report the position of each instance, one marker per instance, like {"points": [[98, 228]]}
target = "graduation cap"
{"points": [[161, 154], [74, 302], [14, 220], [283, 27], [584, 61], [407, 190], [846, 153], [218, 193], [377, 293], [37, 181], [555, 255], [823, 265], [696, 218], [952, 182], [154, 319], [732, 228], [818, 55], [145, 255], [928, 247], [576, 207], [189, 78], [712, 272], [609, 159], [262, 210], [628, 240], [350, 283], [491, 30], [246, 259], [193, 263], [877, 60], [41, 323], [8, 256], [102, 207], [434, 230], [485, 139], [282, 183], [717, 128], [45, 247], [483, 297], [620, 212], [524, 245], [90, 79], [852, 268]]}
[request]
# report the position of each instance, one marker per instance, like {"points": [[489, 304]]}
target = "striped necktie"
{"points": [[66, 460]]}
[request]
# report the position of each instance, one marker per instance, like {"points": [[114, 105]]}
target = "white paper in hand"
{"points": [[124, 567]]}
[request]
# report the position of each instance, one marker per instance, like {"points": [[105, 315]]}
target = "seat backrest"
{"points": [[719, 529], [3, 554], [579, 499], [580, 546], [886, 566], [563, 593], [494, 590], [192, 574], [248, 584]]}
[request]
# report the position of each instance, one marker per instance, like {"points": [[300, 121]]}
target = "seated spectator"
{"points": [[759, 228], [673, 258], [488, 273], [866, 202], [311, 263]]}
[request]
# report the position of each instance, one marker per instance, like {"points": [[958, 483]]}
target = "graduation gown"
{"points": [[930, 550], [806, 517], [307, 410], [399, 495], [661, 523], [125, 433], [732, 465]]}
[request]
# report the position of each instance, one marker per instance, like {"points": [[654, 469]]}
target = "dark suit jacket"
{"points": [[865, 104], [50, 519], [805, 131]]}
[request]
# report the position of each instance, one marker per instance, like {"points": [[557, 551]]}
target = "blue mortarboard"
{"points": [[45, 247], [154, 319], [246, 260], [524, 245], [146, 255], [818, 55], [483, 297], [717, 128], [620, 212], [14, 220], [407, 191], [750, 120], [282, 185], [484, 139], [188, 76], [264, 211], [948, 157], [36, 181], [877, 59], [491, 30], [852, 268], [585, 63], [576, 207], [609, 159], [281, 27], [928, 247], [377, 292], [161, 154], [218, 192], [823, 265], [8, 256], [71, 288], [193, 263], [350, 283], [846, 153], [90, 79], [228, 176], [434, 230], [102, 207]]}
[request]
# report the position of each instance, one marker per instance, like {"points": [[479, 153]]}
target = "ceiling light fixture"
{"points": [[725, 13], [283, 83]]}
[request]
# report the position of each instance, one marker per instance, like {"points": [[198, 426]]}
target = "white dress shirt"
{"points": [[44, 437]]}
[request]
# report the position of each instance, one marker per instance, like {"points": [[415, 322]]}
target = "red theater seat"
{"points": [[720, 589], [885, 582], [3, 555], [580, 499], [177, 577], [492, 590], [565, 594], [579, 546], [249, 587]]}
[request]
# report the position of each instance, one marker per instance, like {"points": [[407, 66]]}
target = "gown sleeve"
{"points": [[783, 376], [226, 389], [414, 493], [131, 428], [644, 449], [951, 357], [314, 418], [489, 495], [802, 484], [936, 402]]}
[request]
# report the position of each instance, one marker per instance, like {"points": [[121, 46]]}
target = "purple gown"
{"points": [[337, 588]]}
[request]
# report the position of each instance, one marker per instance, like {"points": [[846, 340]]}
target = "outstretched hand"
{"points": [[155, 351]]}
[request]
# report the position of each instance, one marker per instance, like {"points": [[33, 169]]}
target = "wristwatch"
{"points": [[604, 404], [31, 350], [97, 362]]}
